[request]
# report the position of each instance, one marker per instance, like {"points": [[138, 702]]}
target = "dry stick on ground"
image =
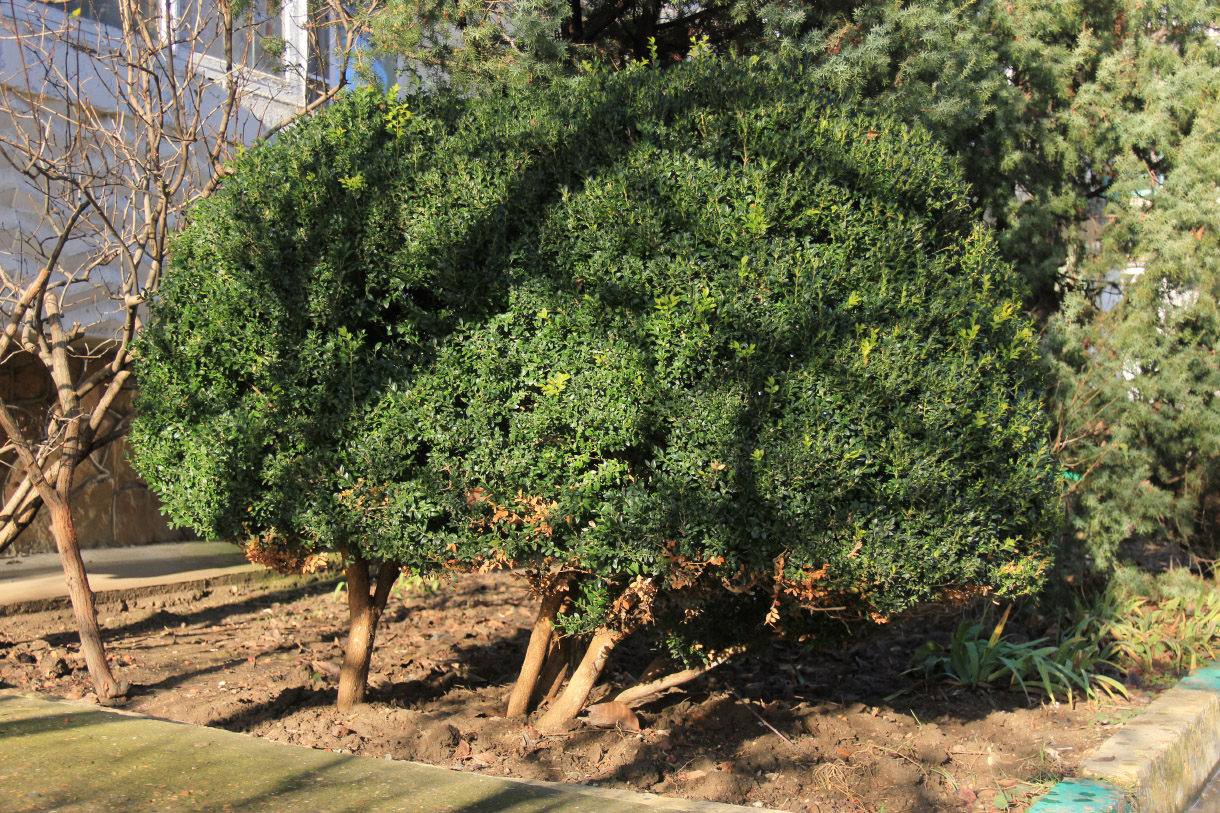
{"points": [[554, 593], [774, 730]]}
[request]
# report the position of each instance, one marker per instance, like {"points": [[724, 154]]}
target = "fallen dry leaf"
{"points": [[687, 776], [462, 751], [612, 715]]}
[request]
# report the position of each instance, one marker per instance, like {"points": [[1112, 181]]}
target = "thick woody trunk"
{"points": [[561, 661], [364, 611], [83, 607], [564, 710], [539, 646]]}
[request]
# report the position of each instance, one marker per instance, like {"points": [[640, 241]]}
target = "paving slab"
{"points": [[26, 581], [65, 756]]}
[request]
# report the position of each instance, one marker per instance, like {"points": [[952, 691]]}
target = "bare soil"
{"points": [[789, 730]]}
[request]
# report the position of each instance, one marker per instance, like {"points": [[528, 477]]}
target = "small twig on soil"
{"points": [[774, 730], [898, 753], [126, 641]]}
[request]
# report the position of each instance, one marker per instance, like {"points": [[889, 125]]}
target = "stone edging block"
{"points": [[1156, 763]]}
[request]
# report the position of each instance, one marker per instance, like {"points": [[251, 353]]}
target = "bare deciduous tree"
{"points": [[115, 117]]}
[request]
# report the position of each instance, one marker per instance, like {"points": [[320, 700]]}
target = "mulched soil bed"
{"points": [[790, 730]]}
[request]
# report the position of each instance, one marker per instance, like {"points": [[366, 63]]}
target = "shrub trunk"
{"points": [[364, 611], [564, 710]]}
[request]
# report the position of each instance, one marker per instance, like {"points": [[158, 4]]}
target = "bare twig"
{"points": [[749, 707]]}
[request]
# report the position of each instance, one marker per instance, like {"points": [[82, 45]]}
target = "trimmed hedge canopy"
{"points": [[703, 329]]}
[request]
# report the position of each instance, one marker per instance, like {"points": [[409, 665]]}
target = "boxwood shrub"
{"points": [[705, 348]]}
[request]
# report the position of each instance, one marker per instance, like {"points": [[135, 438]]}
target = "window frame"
{"points": [[271, 86], [288, 87]]}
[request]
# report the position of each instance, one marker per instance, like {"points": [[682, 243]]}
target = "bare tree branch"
{"points": [[114, 131]]}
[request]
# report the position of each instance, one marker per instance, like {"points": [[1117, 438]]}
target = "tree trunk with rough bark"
{"points": [[364, 611], [564, 710], [83, 607]]}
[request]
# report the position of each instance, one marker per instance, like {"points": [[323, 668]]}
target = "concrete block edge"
{"points": [[1148, 790]]}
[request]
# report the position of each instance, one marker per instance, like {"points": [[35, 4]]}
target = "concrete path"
{"points": [[30, 579], [63, 756]]}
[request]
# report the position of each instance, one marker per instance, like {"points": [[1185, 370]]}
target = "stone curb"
{"points": [[1157, 763], [104, 598]]}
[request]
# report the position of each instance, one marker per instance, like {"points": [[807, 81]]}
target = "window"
{"points": [[106, 12], [257, 32], [285, 59]]}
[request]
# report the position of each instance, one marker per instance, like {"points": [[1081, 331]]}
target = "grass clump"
{"points": [[1163, 625], [1148, 628], [1069, 665]]}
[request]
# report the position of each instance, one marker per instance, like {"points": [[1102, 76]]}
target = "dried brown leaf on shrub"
{"points": [[612, 715]]}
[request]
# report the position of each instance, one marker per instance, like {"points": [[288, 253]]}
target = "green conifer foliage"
{"points": [[1088, 133], [697, 344], [1136, 388]]}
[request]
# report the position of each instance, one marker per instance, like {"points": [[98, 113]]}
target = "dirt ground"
{"points": [[791, 730]]}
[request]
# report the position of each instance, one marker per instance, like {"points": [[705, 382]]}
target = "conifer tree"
{"points": [[1136, 393]]}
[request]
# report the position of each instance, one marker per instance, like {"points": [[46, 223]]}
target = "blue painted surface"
{"points": [[1207, 679], [1082, 796]]}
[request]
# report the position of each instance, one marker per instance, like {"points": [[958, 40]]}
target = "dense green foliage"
{"points": [[1088, 133], [1136, 387], [1062, 115], [283, 324], [702, 329]]}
